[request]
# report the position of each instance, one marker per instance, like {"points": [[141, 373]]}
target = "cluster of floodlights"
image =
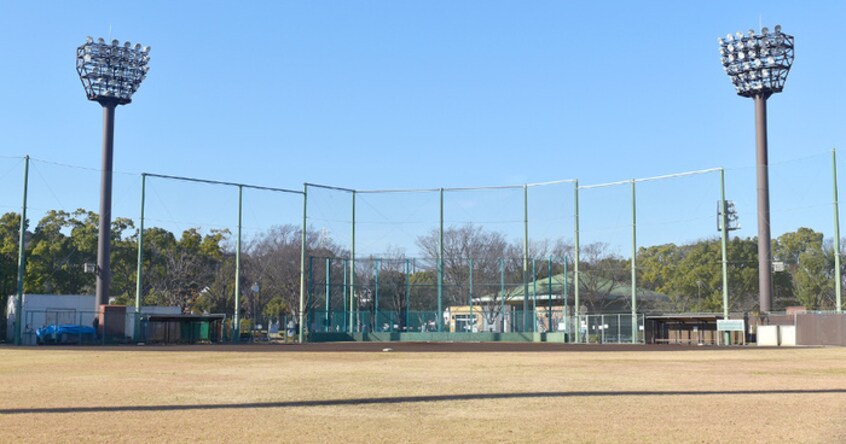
{"points": [[757, 63], [111, 72]]}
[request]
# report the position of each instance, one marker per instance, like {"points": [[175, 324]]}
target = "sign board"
{"points": [[730, 325]]}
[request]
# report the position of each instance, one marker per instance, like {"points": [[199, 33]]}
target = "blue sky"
{"points": [[379, 94]]}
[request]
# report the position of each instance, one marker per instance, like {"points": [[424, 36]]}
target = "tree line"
{"points": [[195, 270], [192, 270]]}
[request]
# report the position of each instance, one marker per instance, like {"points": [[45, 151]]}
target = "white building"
{"points": [[40, 310]]}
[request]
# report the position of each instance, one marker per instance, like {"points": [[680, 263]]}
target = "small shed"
{"points": [[698, 329], [182, 328], [116, 323]]}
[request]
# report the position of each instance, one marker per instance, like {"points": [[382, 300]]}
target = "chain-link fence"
{"points": [[400, 260], [406, 295]]}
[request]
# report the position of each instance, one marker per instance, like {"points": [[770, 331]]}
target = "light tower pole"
{"points": [[110, 74], [757, 65]]}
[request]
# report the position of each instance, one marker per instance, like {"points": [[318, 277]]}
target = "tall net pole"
{"points": [[724, 251], [21, 260], [634, 264], [838, 307], [302, 264], [236, 336], [352, 269], [576, 309], [440, 314], [139, 272], [526, 257]]}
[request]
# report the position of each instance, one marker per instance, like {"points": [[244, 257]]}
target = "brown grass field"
{"points": [[422, 394]]}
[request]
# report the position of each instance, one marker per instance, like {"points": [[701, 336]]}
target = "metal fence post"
{"points": [[534, 296], [549, 293], [376, 298], [407, 294], [602, 328], [472, 316], [328, 291], [619, 330], [566, 301], [344, 295], [502, 291], [309, 300]]}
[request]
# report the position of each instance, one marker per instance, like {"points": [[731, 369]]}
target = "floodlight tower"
{"points": [[757, 65], [110, 74]]}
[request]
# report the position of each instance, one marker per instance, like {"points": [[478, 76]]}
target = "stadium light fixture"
{"points": [[757, 65], [110, 73]]}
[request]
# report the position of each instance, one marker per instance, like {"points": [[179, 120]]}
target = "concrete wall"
{"points": [[821, 329], [767, 336], [787, 335], [803, 329], [776, 335]]}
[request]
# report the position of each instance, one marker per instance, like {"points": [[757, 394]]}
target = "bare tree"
{"points": [[272, 261], [485, 248], [602, 272], [493, 261], [179, 270], [390, 288]]}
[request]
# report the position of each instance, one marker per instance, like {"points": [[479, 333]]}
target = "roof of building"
{"points": [[616, 290], [184, 317]]}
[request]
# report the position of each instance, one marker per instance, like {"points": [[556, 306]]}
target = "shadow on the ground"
{"points": [[409, 399]]}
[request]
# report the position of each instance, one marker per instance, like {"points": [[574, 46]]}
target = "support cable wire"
{"points": [[501, 208], [329, 187], [771, 164], [173, 220], [392, 222], [395, 227], [218, 182], [46, 184], [435, 190], [15, 167], [649, 179], [78, 167]]}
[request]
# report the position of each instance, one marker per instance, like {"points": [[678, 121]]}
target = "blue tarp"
{"points": [[65, 334]]}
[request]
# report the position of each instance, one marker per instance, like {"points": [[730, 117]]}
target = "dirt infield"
{"points": [[409, 347]]}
